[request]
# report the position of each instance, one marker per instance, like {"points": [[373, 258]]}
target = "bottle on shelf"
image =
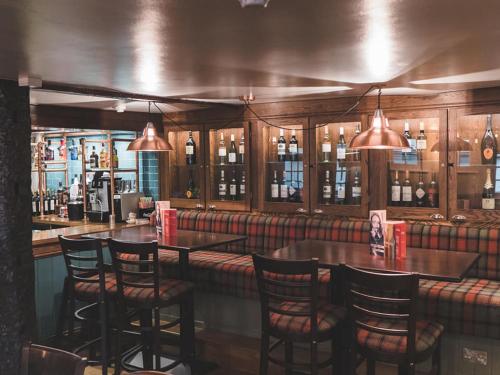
{"points": [[190, 190], [281, 146], [396, 190], [407, 194], [283, 188], [356, 189], [356, 154], [103, 157], [340, 186], [73, 151], [62, 150], [408, 152], [222, 187], [420, 193], [294, 191], [190, 149], [222, 150], [49, 151], [73, 189], [489, 144], [242, 186], [115, 157], [275, 187], [327, 189], [488, 201], [232, 156], [60, 191], [94, 159], [326, 146], [233, 187], [80, 147], [46, 203], [33, 204], [433, 193], [52, 203], [341, 145], [293, 147], [37, 204], [421, 138], [241, 149]]}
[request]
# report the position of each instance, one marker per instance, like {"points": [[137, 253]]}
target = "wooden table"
{"points": [[430, 264]]}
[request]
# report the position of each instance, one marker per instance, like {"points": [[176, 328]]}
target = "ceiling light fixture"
{"points": [[149, 141], [120, 106], [262, 3], [380, 136]]}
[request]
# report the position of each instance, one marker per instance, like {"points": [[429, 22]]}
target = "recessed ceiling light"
{"points": [[120, 106], [262, 3]]}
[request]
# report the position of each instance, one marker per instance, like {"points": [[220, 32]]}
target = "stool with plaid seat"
{"points": [[382, 309], [139, 287], [291, 313], [87, 282]]}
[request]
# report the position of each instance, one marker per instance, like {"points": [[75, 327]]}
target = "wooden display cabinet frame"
{"points": [[337, 209], [262, 149], [471, 214], [419, 213], [210, 151]]}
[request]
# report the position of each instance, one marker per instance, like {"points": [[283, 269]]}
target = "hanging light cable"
{"points": [[149, 141], [380, 136]]}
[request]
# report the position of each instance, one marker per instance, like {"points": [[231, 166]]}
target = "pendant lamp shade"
{"points": [[149, 141]]}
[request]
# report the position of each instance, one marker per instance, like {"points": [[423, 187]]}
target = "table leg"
{"points": [[184, 265]]}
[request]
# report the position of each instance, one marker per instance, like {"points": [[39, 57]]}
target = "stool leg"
{"points": [[264, 353], [314, 358], [188, 341], [370, 366], [103, 318], [62, 312], [288, 356], [156, 338]]}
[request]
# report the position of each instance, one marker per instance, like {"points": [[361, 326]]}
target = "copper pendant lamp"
{"points": [[149, 141], [380, 136]]}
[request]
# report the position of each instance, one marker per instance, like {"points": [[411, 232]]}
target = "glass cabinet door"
{"points": [[416, 176], [228, 178], [475, 164], [186, 175], [282, 166], [339, 183]]}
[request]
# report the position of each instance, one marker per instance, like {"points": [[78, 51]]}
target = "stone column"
{"points": [[17, 302]]}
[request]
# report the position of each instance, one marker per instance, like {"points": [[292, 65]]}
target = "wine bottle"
{"points": [[283, 188], [420, 194], [190, 149], [327, 189], [222, 150], [222, 187], [340, 188], [242, 186], [73, 151], [232, 151], [356, 153], [356, 189], [421, 138], [407, 151], [281, 146], [275, 187], [488, 144], [33, 204], [190, 191], [94, 159], [433, 193], [293, 147], [233, 187], [49, 151], [102, 157], [326, 146], [241, 149], [407, 196], [115, 157], [488, 201], [341, 145], [396, 190], [62, 150]]}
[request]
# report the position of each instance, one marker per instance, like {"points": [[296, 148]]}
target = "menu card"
{"points": [[377, 231], [160, 205]]}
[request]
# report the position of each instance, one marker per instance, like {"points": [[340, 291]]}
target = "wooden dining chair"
{"points": [[382, 312], [43, 360], [291, 312]]}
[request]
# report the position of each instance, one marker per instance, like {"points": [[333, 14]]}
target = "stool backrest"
{"points": [[285, 285], [135, 265], [43, 360], [392, 297], [84, 261]]}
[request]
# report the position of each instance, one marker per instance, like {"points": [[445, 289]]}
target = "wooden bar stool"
{"points": [[41, 360], [382, 311], [291, 313], [87, 282], [139, 287]]}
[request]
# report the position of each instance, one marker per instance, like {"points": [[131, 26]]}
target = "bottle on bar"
{"points": [[341, 145], [190, 149], [281, 146], [60, 191], [293, 147], [232, 156], [241, 149], [356, 189], [406, 152], [488, 201], [340, 188], [327, 189], [356, 154], [115, 157], [420, 194], [37, 204], [94, 159], [396, 190], [489, 144], [46, 203], [283, 188], [275, 187], [33, 204], [242, 186], [73, 151], [49, 151], [433, 193], [407, 194], [233, 187], [190, 191], [102, 156], [421, 138], [222, 150], [52, 203], [62, 150], [222, 187], [326, 146]]}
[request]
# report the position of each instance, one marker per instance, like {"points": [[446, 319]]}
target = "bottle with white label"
{"points": [[326, 146], [283, 188], [233, 187], [407, 196], [356, 189], [281, 146], [341, 145], [222, 150], [488, 201], [408, 136], [275, 189], [222, 187], [420, 194], [232, 151], [190, 150], [242, 186], [327, 189], [241, 149], [356, 154], [422, 138], [340, 187], [293, 147], [396, 190]]}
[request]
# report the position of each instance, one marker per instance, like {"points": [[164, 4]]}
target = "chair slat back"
{"points": [[40, 360]]}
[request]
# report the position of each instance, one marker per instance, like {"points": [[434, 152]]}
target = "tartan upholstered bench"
{"points": [[470, 307]]}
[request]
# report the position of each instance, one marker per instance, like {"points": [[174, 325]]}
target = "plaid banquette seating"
{"points": [[470, 307]]}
